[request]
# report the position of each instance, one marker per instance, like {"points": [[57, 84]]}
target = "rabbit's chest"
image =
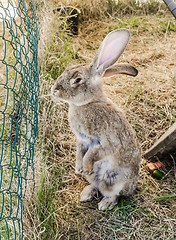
{"points": [[82, 128]]}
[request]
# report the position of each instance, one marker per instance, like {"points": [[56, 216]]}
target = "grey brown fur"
{"points": [[108, 153]]}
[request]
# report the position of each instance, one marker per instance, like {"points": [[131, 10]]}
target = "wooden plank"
{"points": [[164, 145]]}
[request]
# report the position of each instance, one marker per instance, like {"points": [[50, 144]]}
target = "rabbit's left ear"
{"points": [[110, 50]]}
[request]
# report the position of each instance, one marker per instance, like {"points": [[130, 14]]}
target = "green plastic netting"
{"points": [[19, 90]]}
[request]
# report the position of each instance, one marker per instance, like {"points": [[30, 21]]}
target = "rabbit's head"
{"points": [[82, 84]]}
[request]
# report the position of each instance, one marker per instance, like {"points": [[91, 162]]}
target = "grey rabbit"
{"points": [[108, 152]]}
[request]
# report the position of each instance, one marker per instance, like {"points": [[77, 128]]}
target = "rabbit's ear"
{"points": [[121, 69], [110, 50]]}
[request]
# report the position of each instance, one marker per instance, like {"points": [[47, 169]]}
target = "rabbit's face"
{"points": [[76, 85]]}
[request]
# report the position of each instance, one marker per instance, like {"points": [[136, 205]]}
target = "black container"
{"points": [[72, 16]]}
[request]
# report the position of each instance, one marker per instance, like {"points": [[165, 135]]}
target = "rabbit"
{"points": [[108, 152]]}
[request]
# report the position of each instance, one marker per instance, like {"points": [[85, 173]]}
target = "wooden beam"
{"points": [[164, 145]]}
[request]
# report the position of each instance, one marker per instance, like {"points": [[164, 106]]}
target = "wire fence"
{"points": [[19, 90]]}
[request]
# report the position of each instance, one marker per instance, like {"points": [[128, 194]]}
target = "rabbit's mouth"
{"points": [[57, 95], [54, 91]]}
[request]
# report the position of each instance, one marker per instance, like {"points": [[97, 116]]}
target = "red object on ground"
{"points": [[153, 166]]}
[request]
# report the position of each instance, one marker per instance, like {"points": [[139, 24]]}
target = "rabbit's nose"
{"points": [[54, 90]]}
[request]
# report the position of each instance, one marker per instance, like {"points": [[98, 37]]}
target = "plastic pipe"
{"points": [[172, 6]]}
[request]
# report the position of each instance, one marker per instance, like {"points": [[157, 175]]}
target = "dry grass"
{"points": [[149, 101], [102, 9]]}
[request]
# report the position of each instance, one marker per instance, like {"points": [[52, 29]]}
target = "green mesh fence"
{"points": [[19, 90]]}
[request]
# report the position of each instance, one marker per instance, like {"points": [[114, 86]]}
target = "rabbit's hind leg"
{"points": [[88, 193], [111, 189]]}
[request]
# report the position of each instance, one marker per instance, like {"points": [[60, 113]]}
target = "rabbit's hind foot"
{"points": [[107, 203], [87, 193]]}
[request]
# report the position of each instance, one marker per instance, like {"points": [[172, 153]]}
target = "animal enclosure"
{"points": [[19, 90]]}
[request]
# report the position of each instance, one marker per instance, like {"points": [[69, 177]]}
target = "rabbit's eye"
{"points": [[77, 80]]}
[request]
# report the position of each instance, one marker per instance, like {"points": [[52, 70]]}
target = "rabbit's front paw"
{"points": [[87, 168], [79, 170]]}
